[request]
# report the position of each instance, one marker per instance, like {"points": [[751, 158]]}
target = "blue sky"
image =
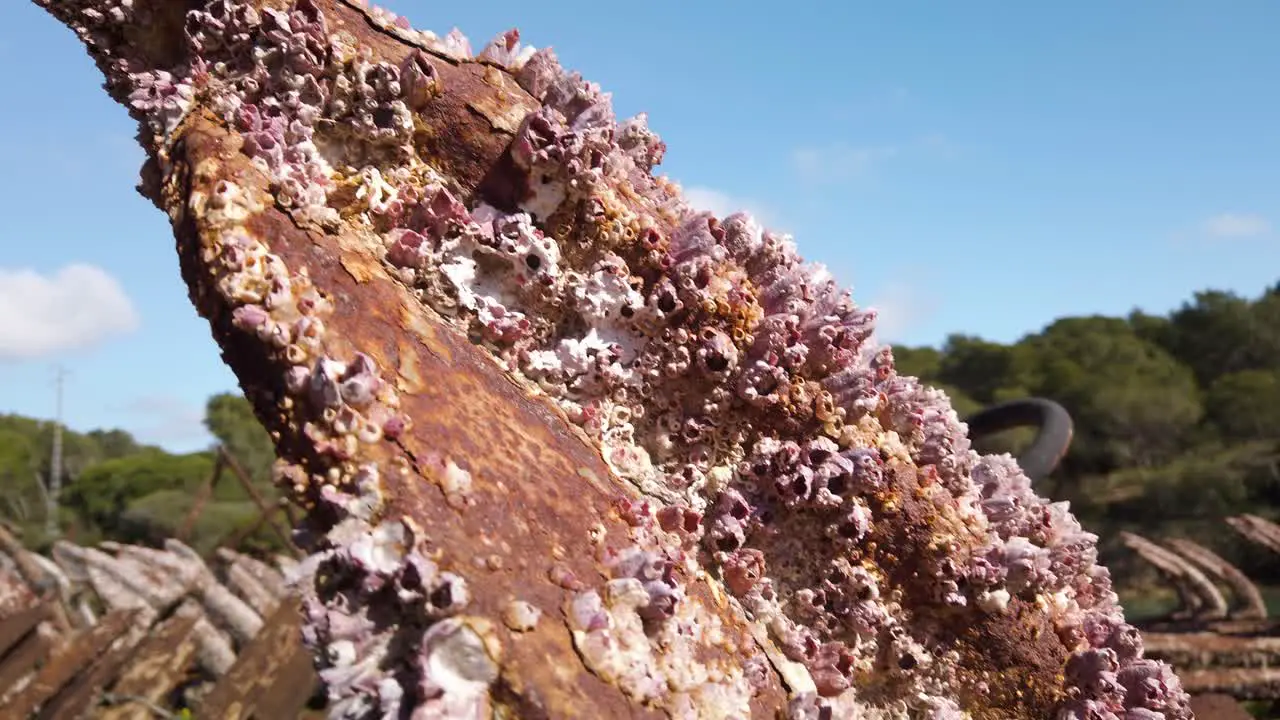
{"points": [[981, 167]]}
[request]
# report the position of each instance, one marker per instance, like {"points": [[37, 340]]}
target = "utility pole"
{"points": [[55, 461]]}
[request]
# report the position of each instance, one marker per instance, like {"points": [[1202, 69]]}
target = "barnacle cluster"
{"points": [[736, 386], [363, 564]]}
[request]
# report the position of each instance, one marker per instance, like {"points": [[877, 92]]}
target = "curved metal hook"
{"points": [[1051, 419]]}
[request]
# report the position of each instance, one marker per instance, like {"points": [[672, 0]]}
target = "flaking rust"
{"points": [[569, 447]]}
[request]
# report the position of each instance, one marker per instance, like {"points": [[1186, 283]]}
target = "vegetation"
{"points": [[1177, 426], [1177, 419], [118, 489]]}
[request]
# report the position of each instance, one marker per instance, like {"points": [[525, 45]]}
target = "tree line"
{"points": [[1177, 416], [1177, 422], [116, 488]]}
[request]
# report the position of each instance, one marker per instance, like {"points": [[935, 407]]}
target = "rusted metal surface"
{"points": [[1257, 529], [1199, 597], [1215, 706], [1249, 604], [265, 681], [1208, 649], [35, 575], [540, 494], [1257, 627], [538, 488], [1240, 683], [156, 667], [1053, 424], [38, 580], [23, 660], [142, 659], [70, 658], [1234, 656], [77, 698], [17, 626], [294, 684], [15, 596]]}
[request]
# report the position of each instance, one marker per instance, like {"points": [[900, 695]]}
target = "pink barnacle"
{"points": [[296, 379], [562, 575], [406, 249], [676, 518], [832, 669], [540, 73], [852, 527], [360, 382], [393, 427], [538, 135], [249, 317], [717, 354], [419, 79], [742, 570], [636, 513], [325, 391], [586, 612], [511, 38], [662, 601], [503, 48], [248, 118], [1126, 641]]}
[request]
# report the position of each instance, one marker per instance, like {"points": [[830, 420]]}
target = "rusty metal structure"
{"points": [[224, 638], [268, 512], [1224, 644], [1221, 642], [123, 631], [566, 445]]}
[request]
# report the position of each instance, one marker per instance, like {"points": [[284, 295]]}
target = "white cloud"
{"points": [[77, 307], [168, 421], [900, 309], [723, 204], [1236, 225], [838, 161], [841, 161]]}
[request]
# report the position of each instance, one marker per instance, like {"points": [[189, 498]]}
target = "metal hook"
{"points": [[1052, 421]]}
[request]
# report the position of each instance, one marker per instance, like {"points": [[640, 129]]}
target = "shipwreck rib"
{"points": [[1257, 530], [1249, 602], [1190, 603], [569, 447], [1208, 602]]}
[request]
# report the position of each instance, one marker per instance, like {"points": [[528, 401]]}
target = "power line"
{"points": [[55, 460]]}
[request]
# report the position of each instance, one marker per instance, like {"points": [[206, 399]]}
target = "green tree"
{"points": [[1155, 329], [231, 419], [159, 515], [25, 457], [978, 367], [21, 496], [78, 451], [114, 444], [1220, 333], [1132, 402], [101, 494], [920, 362], [1245, 405]]}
